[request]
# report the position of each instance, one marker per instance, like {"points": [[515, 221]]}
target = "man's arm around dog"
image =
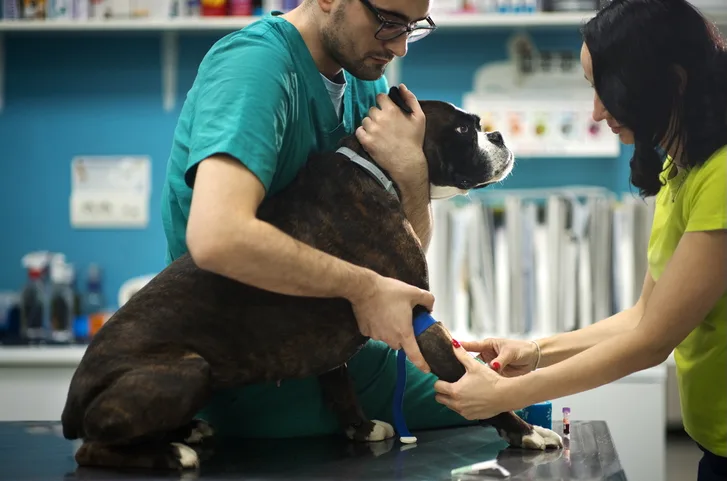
{"points": [[395, 140]]}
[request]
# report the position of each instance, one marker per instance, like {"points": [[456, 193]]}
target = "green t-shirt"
{"points": [[697, 201], [259, 97]]}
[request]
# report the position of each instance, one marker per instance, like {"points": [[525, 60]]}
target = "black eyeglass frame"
{"points": [[407, 28]]}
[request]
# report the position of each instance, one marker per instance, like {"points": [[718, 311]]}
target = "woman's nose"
{"points": [[599, 111]]}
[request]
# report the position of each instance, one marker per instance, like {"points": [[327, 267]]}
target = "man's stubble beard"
{"points": [[335, 44]]}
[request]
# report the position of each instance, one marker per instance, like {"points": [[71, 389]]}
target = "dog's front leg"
{"points": [[435, 344], [339, 393], [518, 433]]}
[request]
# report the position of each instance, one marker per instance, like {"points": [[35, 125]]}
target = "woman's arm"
{"points": [[692, 283], [559, 347]]}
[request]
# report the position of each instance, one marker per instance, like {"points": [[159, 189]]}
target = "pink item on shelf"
{"points": [[240, 7]]}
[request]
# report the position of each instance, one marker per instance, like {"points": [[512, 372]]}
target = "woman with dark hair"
{"points": [[659, 73]]}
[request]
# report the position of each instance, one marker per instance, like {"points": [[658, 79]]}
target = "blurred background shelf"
{"points": [[214, 24], [231, 23]]}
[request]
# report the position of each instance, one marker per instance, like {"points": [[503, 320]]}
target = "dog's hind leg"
{"points": [[142, 456], [340, 395], [435, 344], [136, 421]]}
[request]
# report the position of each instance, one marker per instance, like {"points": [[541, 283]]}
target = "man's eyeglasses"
{"points": [[390, 29]]}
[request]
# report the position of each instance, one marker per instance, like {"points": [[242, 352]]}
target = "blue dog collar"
{"points": [[421, 323]]}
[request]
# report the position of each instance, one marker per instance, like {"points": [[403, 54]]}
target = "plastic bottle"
{"points": [[34, 299], [289, 5], [213, 8], [240, 7], [11, 10], [95, 305], [9, 301], [62, 301]]}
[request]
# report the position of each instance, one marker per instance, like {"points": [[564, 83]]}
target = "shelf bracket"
{"points": [[170, 61], [2, 71]]}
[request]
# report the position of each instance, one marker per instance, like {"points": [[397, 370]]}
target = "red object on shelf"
{"points": [[240, 7], [213, 8]]}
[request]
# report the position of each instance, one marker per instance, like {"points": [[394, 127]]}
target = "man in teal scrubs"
{"points": [[264, 98]]}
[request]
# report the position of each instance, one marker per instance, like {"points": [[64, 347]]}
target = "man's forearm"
{"points": [[417, 206], [418, 211], [557, 348], [261, 255]]}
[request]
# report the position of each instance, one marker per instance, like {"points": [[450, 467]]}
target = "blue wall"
{"points": [[100, 94]]}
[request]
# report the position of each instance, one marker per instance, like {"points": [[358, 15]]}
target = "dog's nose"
{"points": [[496, 138]]}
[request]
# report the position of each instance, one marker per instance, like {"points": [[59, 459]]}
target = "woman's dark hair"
{"points": [[660, 69]]}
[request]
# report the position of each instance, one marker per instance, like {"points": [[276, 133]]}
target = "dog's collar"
{"points": [[372, 169]]}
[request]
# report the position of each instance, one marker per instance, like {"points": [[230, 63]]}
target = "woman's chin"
{"points": [[626, 137]]}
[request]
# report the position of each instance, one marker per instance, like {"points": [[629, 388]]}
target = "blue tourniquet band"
{"points": [[421, 323]]}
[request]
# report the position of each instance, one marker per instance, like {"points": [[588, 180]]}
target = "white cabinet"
{"points": [[634, 409]]}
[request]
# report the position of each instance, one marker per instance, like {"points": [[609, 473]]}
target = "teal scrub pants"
{"points": [[296, 407]]}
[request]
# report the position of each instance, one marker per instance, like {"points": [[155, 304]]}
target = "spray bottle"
{"points": [[62, 300], [95, 305], [34, 299]]}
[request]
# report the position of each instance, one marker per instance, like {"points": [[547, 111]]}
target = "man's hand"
{"points": [[395, 138], [384, 313]]}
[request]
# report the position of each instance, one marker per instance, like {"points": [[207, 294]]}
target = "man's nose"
{"points": [[398, 46]]}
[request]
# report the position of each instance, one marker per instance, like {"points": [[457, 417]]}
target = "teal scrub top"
{"points": [[259, 97]]}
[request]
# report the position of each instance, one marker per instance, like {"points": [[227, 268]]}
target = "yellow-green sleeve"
{"points": [[706, 199]]}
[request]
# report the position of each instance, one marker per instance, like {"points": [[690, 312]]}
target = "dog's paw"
{"points": [[186, 456], [199, 432], [541, 439], [381, 431], [371, 431], [552, 439]]}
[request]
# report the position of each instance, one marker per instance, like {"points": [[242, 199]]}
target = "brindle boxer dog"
{"points": [[189, 332]]}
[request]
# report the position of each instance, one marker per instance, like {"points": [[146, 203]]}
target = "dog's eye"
{"points": [[462, 129]]}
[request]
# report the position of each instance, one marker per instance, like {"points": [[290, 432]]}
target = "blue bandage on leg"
{"points": [[421, 323]]}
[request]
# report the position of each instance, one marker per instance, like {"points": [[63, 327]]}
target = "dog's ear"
{"points": [[395, 95]]}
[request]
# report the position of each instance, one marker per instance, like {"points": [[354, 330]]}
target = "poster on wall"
{"points": [[110, 192]]}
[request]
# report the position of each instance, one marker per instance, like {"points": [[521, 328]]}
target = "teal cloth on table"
{"points": [[540, 414]]}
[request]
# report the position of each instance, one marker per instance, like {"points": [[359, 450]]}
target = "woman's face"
{"points": [[599, 111]]}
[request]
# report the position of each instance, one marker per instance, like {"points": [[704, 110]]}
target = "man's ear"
{"points": [[395, 95]]}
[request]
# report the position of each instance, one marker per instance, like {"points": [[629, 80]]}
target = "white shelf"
{"points": [[53, 356], [130, 25], [217, 24], [222, 24]]}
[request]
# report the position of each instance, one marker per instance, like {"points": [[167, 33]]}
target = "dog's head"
{"points": [[460, 156]]}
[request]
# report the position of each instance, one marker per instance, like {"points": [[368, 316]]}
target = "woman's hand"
{"points": [[508, 357], [479, 394]]}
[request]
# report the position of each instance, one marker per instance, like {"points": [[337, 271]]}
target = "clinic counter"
{"points": [[37, 451]]}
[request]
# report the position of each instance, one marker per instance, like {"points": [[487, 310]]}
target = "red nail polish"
{"points": [[455, 343], [496, 366]]}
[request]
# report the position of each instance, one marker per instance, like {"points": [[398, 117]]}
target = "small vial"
{"points": [[566, 421]]}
